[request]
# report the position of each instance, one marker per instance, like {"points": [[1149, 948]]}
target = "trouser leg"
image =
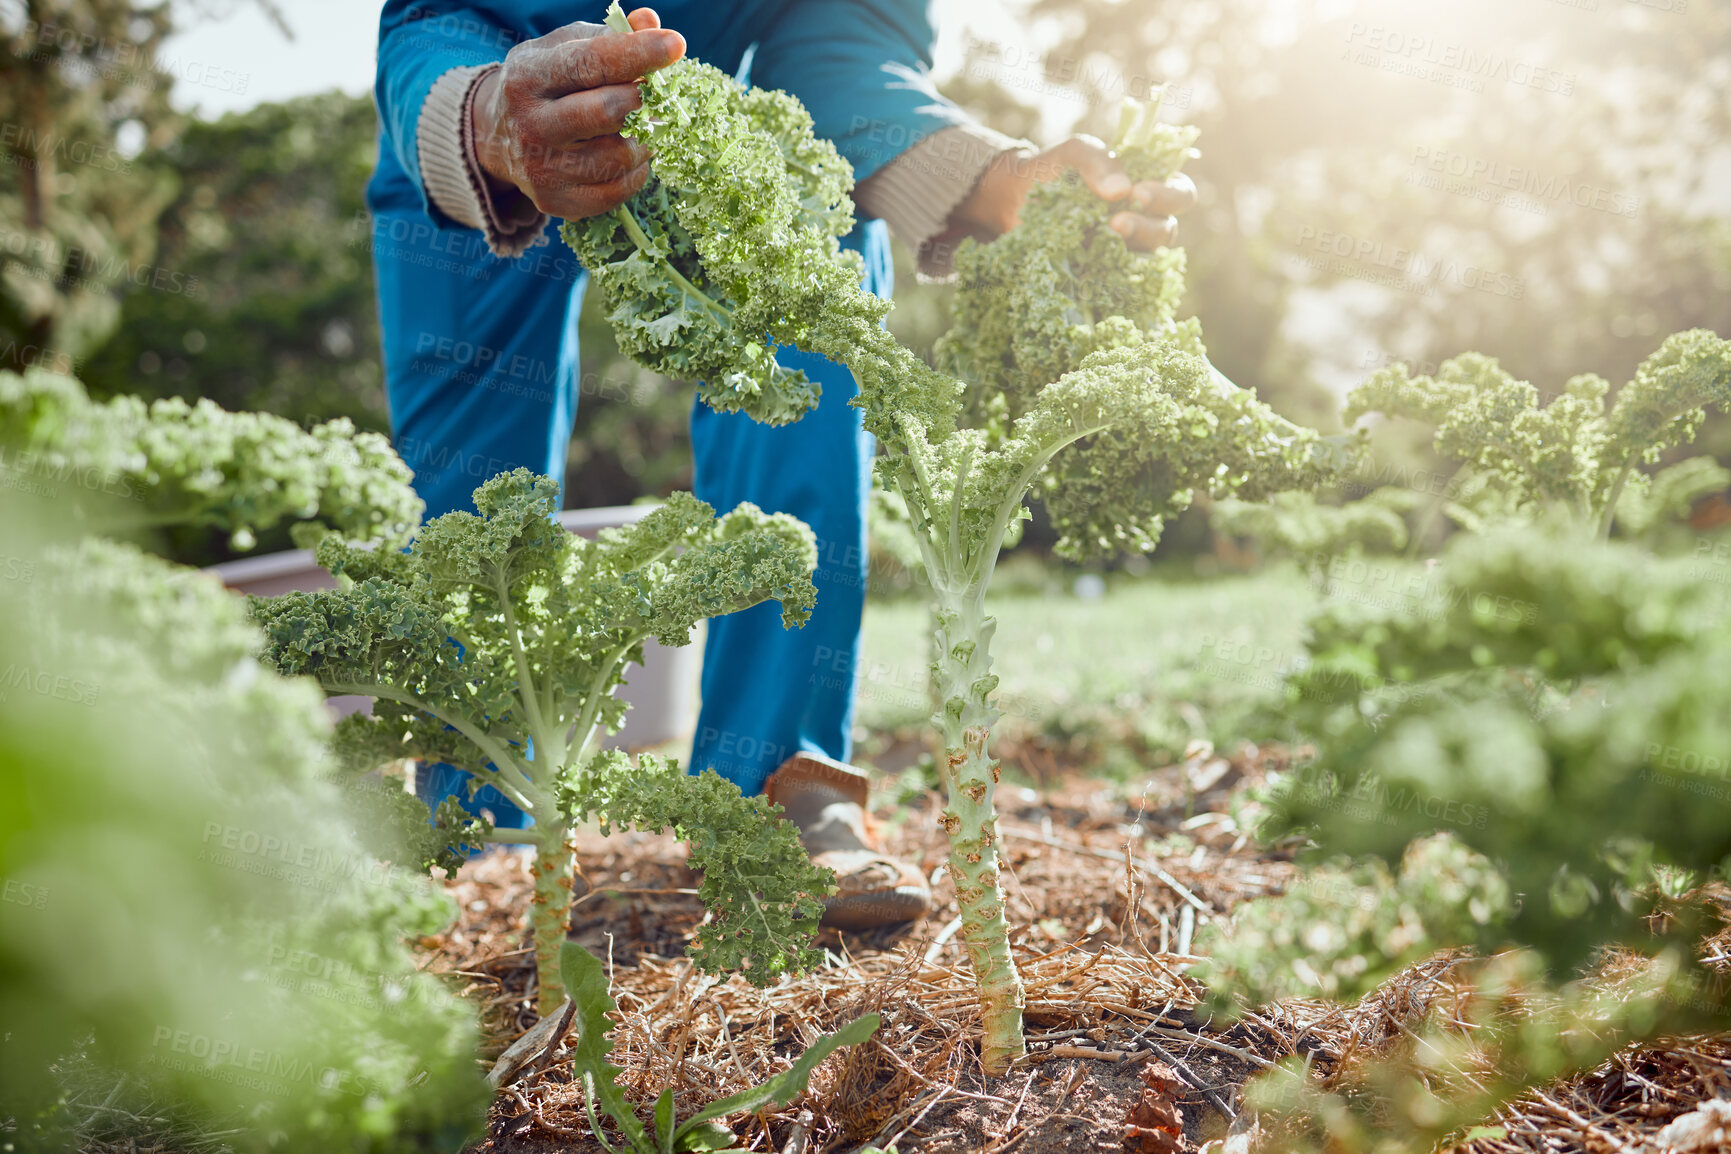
{"points": [[770, 692], [482, 371]]}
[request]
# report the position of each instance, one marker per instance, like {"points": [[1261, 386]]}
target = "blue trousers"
{"points": [[483, 374]]}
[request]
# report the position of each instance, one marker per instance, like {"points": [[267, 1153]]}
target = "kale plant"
{"points": [[494, 643], [1577, 451], [1519, 455], [1299, 525], [1536, 759], [125, 465], [731, 247], [1151, 424], [193, 936], [1064, 337], [1537, 744], [1536, 683]]}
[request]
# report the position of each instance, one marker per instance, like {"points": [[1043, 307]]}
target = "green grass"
{"points": [[1155, 662]]}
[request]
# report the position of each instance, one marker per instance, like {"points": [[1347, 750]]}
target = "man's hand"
{"points": [[1148, 221], [547, 122]]}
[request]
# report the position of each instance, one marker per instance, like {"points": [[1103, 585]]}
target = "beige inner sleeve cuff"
{"points": [[452, 174], [917, 191]]}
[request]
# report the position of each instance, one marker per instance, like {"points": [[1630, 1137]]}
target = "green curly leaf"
{"points": [[171, 463], [758, 881], [1574, 449], [732, 247]]}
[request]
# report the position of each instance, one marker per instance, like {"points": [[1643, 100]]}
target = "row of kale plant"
{"points": [[1502, 753]]}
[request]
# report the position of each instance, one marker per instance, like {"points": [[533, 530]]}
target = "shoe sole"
{"points": [[869, 911]]}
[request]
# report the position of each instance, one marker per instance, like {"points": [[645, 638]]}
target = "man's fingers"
{"points": [[581, 201], [579, 65], [1177, 195], [1094, 164], [595, 161], [642, 20], [584, 115], [1144, 233]]}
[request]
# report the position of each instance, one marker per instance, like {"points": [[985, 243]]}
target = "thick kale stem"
{"points": [[963, 674], [550, 911], [550, 906], [507, 774], [1609, 513], [525, 681]]}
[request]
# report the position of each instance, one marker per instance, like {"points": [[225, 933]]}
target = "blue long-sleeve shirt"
{"points": [[862, 67]]}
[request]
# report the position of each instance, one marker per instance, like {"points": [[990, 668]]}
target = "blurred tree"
{"points": [[1535, 181], [270, 219], [83, 95], [80, 94]]}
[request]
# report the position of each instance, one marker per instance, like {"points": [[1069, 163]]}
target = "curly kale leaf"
{"points": [[1348, 926], [1157, 425], [1575, 796], [171, 463], [1530, 704], [495, 644], [1067, 341], [1665, 403], [1571, 450], [211, 659], [900, 396], [732, 247], [396, 825], [1033, 304], [1152, 425], [758, 881], [1296, 523], [1523, 599], [498, 627], [1533, 452], [195, 835]]}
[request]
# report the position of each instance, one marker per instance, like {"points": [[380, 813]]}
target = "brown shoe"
{"points": [[826, 799]]}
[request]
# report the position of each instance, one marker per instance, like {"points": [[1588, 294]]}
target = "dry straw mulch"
{"points": [[1107, 890], [1106, 904], [1101, 929]]}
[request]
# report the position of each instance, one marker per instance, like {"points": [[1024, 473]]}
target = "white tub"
{"points": [[662, 692]]}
